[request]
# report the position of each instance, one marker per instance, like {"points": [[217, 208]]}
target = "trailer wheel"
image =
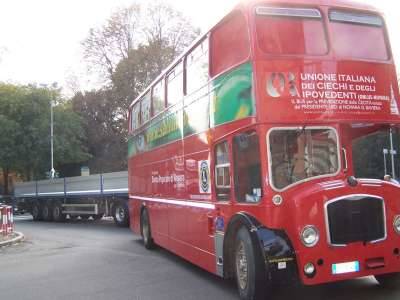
{"points": [[146, 230], [73, 217], [46, 212], [390, 281], [36, 211], [58, 216], [121, 214], [249, 268], [97, 217]]}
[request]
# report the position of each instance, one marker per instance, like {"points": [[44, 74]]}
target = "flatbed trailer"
{"points": [[84, 196]]}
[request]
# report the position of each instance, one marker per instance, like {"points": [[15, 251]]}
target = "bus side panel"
{"points": [[200, 218], [162, 172], [134, 214]]}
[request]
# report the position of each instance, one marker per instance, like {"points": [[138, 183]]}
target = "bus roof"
{"points": [[336, 3], [249, 3]]}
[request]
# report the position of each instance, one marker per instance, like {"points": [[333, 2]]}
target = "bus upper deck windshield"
{"points": [[303, 31]]}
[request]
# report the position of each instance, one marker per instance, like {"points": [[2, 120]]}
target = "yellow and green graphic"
{"points": [[233, 96]]}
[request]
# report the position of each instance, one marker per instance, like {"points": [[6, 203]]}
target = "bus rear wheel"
{"points": [[249, 268], [390, 281], [146, 230]]}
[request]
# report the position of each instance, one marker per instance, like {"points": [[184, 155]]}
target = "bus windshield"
{"points": [[292, 31], [375, 152], [301, 153], [349, 29]]}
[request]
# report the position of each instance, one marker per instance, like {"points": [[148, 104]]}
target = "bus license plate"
{"points": [[347, 267]]}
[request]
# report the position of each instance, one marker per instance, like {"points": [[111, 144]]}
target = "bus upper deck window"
{"points": [[135, 117], [296, 31], [175, 84], [158, 97], [353, 33], [145, 108]]}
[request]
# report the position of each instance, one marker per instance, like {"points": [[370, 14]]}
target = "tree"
{"points": [[106, 46], [105, 129], [9, 133], [25, 134], [168, 28], [136, 72], [132, 26]]}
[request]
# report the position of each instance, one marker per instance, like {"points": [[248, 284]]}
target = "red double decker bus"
{"points": [[259, 154]]}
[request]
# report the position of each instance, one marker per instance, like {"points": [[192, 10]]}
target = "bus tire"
{"points": [[390, 281], [121, 214], [146, 230], [36, 211], [58, 216], [47, 212], [248, 268]]}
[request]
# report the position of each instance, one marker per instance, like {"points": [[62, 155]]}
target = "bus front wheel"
{"points": [[390, 281], [249, 268], [146, 230]]}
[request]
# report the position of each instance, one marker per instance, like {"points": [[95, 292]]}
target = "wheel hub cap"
{"points": [[241, 266]]}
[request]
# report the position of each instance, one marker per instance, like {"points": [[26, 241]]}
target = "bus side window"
{"points": [[175, 85], [145, 108], [230, 44], [246, 153], [135, 117], [197, 68], [222, 171], [158, 97]]}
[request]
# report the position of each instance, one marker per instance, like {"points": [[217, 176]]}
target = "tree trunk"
{"points": [[6, 171]]}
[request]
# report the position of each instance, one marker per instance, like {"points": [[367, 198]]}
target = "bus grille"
{"points": [[356, 219]]}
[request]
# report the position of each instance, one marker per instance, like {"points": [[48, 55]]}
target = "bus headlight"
{"points": [[396, 224], [309, 236]]}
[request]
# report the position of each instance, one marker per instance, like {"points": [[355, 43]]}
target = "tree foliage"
{"points": [[25, 134]]}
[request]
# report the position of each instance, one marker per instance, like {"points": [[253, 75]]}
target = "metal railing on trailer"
{"points": [[84, 196]]}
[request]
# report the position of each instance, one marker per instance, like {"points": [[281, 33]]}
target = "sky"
{"points": [[40, 39]]}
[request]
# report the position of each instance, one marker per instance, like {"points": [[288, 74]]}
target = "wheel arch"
{"points": [[272, 246], [236, 222]]}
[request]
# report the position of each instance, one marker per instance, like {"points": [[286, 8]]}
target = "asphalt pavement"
{"points": [[97, 260]]}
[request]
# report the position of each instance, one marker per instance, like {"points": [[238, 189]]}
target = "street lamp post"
{"points": [[52, 171]]}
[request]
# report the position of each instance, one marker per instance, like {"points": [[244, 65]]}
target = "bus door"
{"points": [[238, 183]]}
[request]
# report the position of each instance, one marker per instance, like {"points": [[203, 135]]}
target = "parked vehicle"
{"points": [[84, 196]]}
